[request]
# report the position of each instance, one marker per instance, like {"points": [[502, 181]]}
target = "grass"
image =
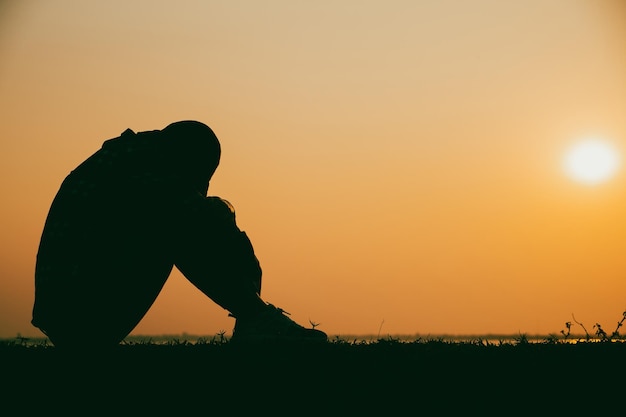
{"points": [[221, 339], [558, 374]]}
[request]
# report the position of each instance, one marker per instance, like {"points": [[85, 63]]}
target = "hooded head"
{"points": [[194, 151]]}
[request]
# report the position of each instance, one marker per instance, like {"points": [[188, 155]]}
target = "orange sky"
{"points": [[396, 164]]}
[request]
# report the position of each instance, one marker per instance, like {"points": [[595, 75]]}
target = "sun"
{"points": [[591, 161]]}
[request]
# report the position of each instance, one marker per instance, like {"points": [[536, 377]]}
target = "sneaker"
{"points": [[273, 325]]}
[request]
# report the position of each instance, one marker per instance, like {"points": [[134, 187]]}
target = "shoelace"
{"points": [[280, 310]]}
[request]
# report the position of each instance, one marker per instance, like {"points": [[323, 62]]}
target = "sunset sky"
{"points": [[399, 165]]}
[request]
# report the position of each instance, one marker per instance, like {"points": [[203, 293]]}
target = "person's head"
{"points": [[194, 151]]}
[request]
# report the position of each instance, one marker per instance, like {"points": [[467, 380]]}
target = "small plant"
{"points": [[600, 333], [615, 333], [522, 339], [587, 337], [568, 326], [222, 337]]}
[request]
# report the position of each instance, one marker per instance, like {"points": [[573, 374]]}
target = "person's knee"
{"points": [[220, 211]]}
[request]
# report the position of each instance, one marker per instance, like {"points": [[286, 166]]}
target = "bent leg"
{"points": [[218, 258], [97, 272], [97, 309]]}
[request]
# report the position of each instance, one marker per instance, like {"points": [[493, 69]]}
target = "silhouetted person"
{"points": [[119, 223]]}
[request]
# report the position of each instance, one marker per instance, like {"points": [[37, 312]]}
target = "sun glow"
{"points": [[591, 161]]}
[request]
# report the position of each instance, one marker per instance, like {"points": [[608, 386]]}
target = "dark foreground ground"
{"points": [[339, 378]]}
